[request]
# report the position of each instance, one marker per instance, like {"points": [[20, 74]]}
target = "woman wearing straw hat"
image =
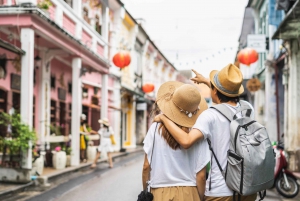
{"points": [[226, 87], [176, 173], [105, 132]]}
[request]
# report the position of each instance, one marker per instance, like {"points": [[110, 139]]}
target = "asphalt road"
{"points": [[123, 182]]}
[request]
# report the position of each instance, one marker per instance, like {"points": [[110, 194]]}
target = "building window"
{"points": [[70, 88], [53, 112], [98, 24], [85, 15], [16, 99], [52, 81], [62, 117], [3, 100]]}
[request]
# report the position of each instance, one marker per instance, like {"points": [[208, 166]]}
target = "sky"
{"points": [[192, 34]]}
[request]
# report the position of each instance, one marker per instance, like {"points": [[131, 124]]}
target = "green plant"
{"points": [[20, 133], [45, 4], [55, 129]]}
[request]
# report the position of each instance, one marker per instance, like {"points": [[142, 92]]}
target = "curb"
{"points": [[66, 172], [16, 189]]}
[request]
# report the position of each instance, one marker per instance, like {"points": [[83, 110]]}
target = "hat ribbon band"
{"points": [[189, 114], [219, 85]]}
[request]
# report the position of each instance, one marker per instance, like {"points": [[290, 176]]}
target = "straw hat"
{"points": [[228, 81], [182, 103], [104, 121]]}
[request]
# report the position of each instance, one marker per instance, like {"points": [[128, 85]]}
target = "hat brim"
{"points": [[169, 109], [103, 122], [212, 75]]}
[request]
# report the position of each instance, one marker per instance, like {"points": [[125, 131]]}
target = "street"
{"points": [[123, 182]]}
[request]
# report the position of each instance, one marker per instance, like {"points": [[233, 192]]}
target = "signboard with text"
{"points": [[257, 42]]}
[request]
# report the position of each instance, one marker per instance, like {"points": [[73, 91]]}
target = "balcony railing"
{"points": [[64, 16]]}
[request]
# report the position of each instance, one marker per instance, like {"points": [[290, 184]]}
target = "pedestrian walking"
{"points": [[175, 173], [106, 134], [226, 86], [83, 139]]}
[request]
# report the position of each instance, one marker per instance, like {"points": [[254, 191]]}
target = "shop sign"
{"points": [[253, 85], [257, 42], [141, 106], [15, 82]]}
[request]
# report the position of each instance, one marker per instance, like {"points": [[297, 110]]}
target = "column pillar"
{"points": [[76, 110], [105, 27], [27, 74], [77, 6], [104, 96], [44, 98], [104, 89]]}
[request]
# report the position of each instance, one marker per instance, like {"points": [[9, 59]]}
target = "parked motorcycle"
{"points": [[285, 182]]}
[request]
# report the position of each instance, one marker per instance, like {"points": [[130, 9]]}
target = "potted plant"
{"points": [[59, 159], [44, 4], [68, 151], [14, 140]]}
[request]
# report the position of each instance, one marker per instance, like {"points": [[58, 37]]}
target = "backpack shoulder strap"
{"points": [[224, 110], [244, 106]]}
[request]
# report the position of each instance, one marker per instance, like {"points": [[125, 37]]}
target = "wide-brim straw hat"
{"points": [[180, 102], [104, 121], [228, 81]]}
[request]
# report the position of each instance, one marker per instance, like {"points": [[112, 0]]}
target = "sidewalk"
{"points": [[51, 173]]}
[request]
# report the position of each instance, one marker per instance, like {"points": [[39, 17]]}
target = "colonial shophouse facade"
{"points": [[58, 65]]}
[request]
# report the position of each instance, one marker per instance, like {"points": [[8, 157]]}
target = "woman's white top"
{"points": [[106, 132], [174, 167]]}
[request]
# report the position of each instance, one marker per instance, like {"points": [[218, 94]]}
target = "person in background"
{"points": [[84, 129], [106, 134], [176, 173]]}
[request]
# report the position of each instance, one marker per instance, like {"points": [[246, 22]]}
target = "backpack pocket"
{"points": [[234, 171]]}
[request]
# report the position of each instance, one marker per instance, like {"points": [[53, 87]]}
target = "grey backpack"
{"points": [[250, 158]]}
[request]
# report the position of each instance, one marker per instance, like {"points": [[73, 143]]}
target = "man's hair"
{"points": [[223, 98]]}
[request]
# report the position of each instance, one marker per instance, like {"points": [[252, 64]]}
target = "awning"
{"points": [[10, 47], [290, 26], [98, 107], [132, 91]]}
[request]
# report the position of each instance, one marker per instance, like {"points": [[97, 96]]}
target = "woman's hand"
{"points": [[158, 118]]}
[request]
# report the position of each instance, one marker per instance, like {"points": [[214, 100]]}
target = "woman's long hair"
{"points": [[164, 132]]}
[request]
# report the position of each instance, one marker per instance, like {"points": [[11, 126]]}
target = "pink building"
{"points": [[59, 69]]}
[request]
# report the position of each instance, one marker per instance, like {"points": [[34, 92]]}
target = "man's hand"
{"points": [[200, 79], [158, 118]]}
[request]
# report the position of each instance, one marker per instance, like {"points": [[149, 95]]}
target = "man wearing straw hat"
{"points": [[226, 87]]}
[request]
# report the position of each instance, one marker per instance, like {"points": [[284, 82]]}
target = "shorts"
{"points": [[105, 145]]}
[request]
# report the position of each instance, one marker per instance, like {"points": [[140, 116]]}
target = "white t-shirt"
{"points": [[106, 132], [174, 167], [215, 126]]}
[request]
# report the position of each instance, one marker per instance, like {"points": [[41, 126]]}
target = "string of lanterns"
{"points": [[206, 58]]}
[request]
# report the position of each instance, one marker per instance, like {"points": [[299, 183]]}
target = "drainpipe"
{"points": [[277, 102]]}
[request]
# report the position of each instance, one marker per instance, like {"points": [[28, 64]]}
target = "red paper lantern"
{"points": [[247, 56], [122, 59], [147, 88]]}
